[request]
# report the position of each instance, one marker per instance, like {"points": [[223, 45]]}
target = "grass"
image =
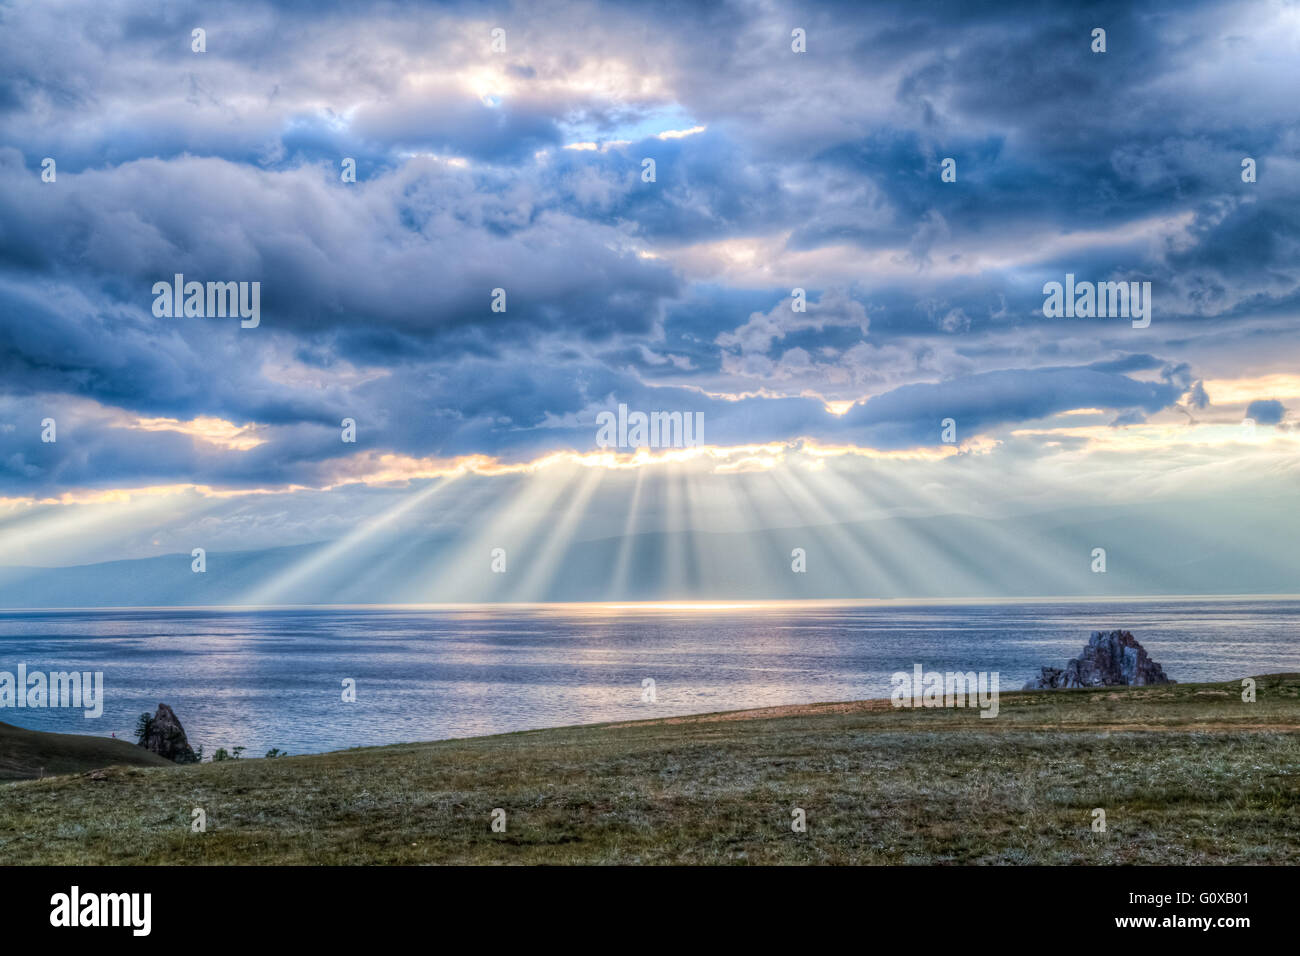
{"points": [[1186, 774], [26, 754]]}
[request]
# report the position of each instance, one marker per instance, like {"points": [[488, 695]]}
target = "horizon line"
{"points": [[672, 604]]}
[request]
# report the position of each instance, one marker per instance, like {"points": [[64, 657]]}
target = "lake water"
{"points": [[273, 678]]}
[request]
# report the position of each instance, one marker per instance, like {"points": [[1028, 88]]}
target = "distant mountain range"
{"points": [[1204, 547]]}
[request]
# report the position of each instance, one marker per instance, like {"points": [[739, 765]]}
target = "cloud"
{"points": [[774, 170], [1266, 411]]}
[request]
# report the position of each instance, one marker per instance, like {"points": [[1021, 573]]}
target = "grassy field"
{"points": [[1185, 773], [31, 753]]}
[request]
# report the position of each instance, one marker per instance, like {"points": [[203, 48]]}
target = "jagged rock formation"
{"points": [[164, 735], [1111, 658]]}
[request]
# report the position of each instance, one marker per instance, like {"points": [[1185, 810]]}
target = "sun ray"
{"points": [[543, 564], [618, 580], [340, 551], [466, 572]]}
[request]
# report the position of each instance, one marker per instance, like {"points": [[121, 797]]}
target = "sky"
{"points": [[504, 147]]}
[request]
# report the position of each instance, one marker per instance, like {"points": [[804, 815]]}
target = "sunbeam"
{"points": [[340, 556]]}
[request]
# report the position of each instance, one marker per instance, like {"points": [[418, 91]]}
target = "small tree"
{"points": [[143, 727]]}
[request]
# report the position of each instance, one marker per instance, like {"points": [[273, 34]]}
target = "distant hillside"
{"points": [[29, 754], [1224, 546]]}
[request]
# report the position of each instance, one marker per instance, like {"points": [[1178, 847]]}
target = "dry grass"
{"points": [[1186, 774], [28, 754]]}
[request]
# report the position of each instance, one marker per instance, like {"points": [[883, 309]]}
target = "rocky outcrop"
{"points": [[1111, 658], [163, 734]]}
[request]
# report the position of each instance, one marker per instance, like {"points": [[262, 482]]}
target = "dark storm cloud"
{"points": [[376, 294], [420, 251]]}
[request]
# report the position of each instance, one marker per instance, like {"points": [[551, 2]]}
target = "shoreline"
{"points": [[868, 706]]}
